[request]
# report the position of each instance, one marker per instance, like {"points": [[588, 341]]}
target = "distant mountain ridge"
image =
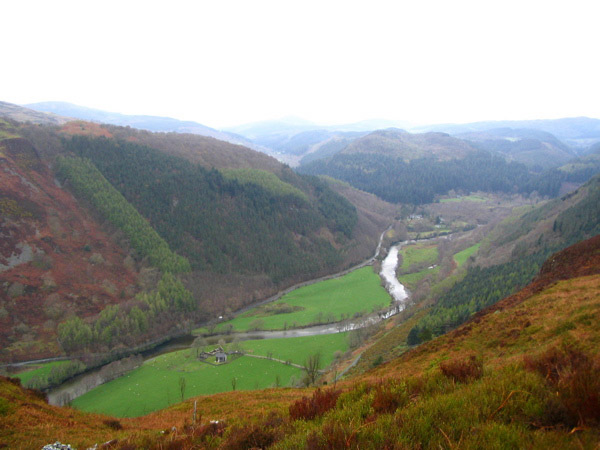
{"points": [[407, 146], [292, 139], [579, 132], [536, 149], [22, 114], [143, 122]]}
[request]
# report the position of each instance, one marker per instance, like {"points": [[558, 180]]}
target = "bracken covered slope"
{"points": [[55, 260]]}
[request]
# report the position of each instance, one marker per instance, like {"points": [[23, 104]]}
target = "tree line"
{"points": [[89, 183]]}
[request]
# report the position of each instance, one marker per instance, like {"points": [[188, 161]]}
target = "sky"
{"points": [[228, 62]]}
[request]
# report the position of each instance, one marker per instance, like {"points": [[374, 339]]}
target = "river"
{"points": [[388, 273], [81, 384]]}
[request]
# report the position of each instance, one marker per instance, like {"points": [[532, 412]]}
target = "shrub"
{"points": [[463, 370], [576, 378], [113, 423], [308, 408], [388, 397], [5, 407], [333, 435], [251, 436], [553, 361], [206, 430]]}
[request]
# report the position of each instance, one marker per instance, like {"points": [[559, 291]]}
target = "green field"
{"points": [[41, 371], [468, 198], [323, 302], [418, 254], [410, 280], [461, 257], [297, 350], [156, 384]]}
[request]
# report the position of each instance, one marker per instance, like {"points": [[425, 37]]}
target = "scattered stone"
{"points": [[57, 446]]}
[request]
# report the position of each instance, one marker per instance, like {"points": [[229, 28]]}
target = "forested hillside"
{"points": [[420, 180], [221, 224], [89, 183]]}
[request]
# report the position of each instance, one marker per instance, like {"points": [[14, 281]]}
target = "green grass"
{"points": [[41, 371], [410, 280], [461, 257], [155, 385], [265, 179], [358, 291], [297, 350], [418, 254], [469, 198]]}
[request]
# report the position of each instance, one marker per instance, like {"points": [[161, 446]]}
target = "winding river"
{"points": [[81, 384]]}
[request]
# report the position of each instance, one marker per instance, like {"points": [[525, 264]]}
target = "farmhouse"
{"points": [[221, 357], [218, 353]]}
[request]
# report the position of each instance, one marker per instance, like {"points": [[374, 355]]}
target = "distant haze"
{"points": [[228, 63]]}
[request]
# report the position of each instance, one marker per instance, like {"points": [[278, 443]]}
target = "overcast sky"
{"points": [[226, 62]]}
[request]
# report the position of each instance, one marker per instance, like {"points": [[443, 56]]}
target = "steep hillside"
{"points": [[538, 150], [553, 224], [55, 260], [223, 225], [523, 373]]}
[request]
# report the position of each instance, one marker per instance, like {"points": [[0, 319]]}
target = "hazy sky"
{"points": [[225, 62]]}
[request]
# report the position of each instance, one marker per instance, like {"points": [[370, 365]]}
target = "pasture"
{"points": [[328, 301], [158, 382]]}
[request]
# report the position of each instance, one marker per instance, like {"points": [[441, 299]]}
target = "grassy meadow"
{"points": [[418, 254], [297, 350], [410, 280], [156, 384], [327, 301]]}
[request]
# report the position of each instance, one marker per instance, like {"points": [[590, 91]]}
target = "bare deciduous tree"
{"points": [[312, 366]]}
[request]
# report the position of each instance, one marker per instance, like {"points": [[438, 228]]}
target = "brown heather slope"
{"points": [[407, 403], [55, 260], [206, 151]]}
